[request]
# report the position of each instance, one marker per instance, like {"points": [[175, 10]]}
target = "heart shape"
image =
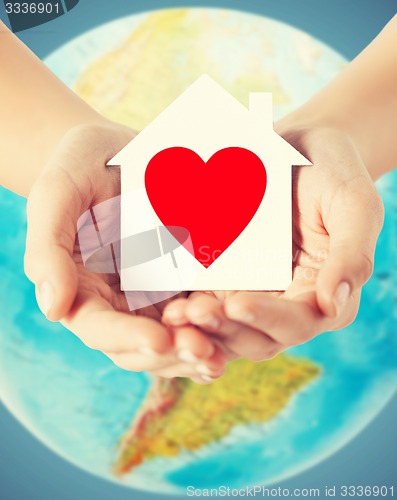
{"points": [[214, 201]]}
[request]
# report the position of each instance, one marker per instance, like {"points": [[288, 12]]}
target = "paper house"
{"points": [[210, 181]]}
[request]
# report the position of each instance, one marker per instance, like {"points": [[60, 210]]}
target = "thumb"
{"points": [[52, 212], [354, 222]]}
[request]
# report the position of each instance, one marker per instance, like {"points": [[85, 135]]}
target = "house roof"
{"points": [[205, 101]]}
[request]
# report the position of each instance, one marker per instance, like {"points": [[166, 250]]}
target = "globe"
{"points": [[260, 423]]}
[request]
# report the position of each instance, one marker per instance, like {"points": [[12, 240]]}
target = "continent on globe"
{"points": [[79, 403], [180, 415], [170, 49]]}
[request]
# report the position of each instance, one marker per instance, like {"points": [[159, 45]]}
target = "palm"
{"points": [[310, 239], [107, 287], [252, 324], [100, 285], [319, 193], [326, 196]]}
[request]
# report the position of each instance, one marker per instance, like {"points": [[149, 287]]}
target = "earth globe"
{"points": [[260, 423]]}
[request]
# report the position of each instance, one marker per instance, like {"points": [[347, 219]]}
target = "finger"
{"points": [[230, 355], [102, 328], [52, 212], [303, 288], [179, 372], [139, 362], [207, 312], [354, 222], [191, 348], [192, 345], [161, 303], [202, 380], [214, 366], [254, 345], [208, 370], [205, 372], [174, 313], [204, 310], [287, 322]]}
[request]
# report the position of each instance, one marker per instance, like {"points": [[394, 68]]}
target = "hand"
{"points": [[91, 305], [337, 217]]}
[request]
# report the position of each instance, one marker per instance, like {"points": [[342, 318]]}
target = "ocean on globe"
{"points": [[262, 422]]}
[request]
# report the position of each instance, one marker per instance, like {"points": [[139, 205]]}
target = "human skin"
{"points": [[68, 151], [337, 217], [61, 168], [347, 130]]}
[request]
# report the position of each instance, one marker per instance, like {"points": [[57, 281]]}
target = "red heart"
{"points": [[214, 201]]}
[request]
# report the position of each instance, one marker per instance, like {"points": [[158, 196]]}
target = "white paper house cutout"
{"points": [[206, 119]]}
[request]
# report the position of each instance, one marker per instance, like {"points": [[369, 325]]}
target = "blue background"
{"points": [[27, 469]]}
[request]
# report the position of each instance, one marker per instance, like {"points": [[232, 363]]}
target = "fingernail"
{"points": [[45, 297], [203, 369], [341, 296], [207, 378], [187, 356], [148, 351]]}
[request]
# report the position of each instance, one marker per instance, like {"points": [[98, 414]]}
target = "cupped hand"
{"points": [[89, 304], [337, 218]]}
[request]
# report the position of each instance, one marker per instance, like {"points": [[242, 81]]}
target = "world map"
{"points": [[261, 422]]}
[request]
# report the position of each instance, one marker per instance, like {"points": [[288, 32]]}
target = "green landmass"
{"points": [[166, 53], [132, 84], [179, 415]]}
